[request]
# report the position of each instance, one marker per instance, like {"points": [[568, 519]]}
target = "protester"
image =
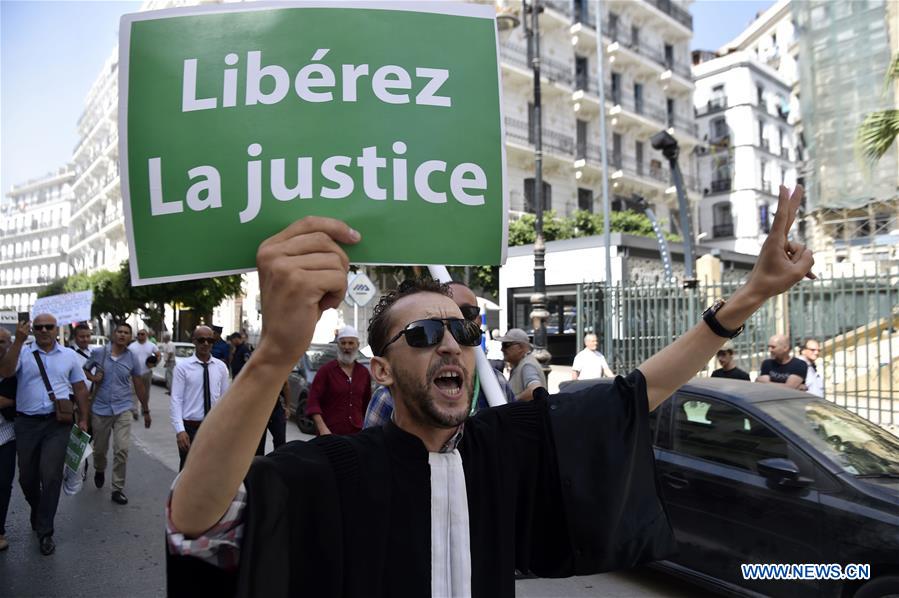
{"points": [[426, 505], [380, 408], [198, 383], [82, 346], [590, 363], [167, 351], [340, 392], [814, 382], [277, 421], [221, 350], [41, 439], [114, 369], [728, 369], [7, 439], [147, 354], [526, 374], [781, 368], [240, 353]]}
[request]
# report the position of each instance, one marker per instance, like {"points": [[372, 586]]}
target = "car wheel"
{"points": [[304, 423], [882, 587]]}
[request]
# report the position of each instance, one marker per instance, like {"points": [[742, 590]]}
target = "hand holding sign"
{"points": [[302, 272]]}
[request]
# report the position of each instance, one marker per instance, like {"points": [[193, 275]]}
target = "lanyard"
{"points": [[474, 395]]}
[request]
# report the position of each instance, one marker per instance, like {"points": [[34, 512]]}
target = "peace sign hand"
{"points": [[781, 262]]}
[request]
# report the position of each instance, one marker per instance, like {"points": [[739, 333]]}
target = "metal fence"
{"points": [[853, 314]]}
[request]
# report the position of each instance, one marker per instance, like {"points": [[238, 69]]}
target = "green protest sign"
{"points": [[78, 442], [236, 120]]}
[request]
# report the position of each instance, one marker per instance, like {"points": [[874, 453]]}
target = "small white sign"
{"points": [[361, 290], [67, 308]]}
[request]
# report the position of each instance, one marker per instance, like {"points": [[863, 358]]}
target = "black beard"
{"points": [[421, 404]]}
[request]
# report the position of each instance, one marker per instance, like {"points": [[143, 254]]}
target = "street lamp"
{"points": [[667, 144]]}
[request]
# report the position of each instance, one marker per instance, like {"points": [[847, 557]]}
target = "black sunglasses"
{"points": [[471, 312], [204, 339], [47, 327], [427, 333]]}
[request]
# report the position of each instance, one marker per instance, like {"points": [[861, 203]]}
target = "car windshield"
{"points": [[184, 351], [319, 355], [860, 447]]}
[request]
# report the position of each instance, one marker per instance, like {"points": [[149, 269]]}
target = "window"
{"points": [[581, 72], [616, 150], [529, 204], [718, 128], [762, 133], [613, 25], [763, 172], [764, 219], [581, 139], [638, 152], [717, 432], [669, 56], [585, 199], [669, 105], [722, 220], [616, 88], [580, 11], [635, 36], [638, 98], [760, 95]]}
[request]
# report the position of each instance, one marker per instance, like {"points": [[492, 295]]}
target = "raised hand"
{"points": [[302, 272], [781, 262]]}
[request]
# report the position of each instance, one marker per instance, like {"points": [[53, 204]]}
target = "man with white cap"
{"points": [[341, 390], [527, 373]]}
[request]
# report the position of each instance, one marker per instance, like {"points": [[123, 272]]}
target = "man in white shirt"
{"points": [[143, 349], [167, 350], [814, 382], [82, 346], [197, 384], [590, 363]]}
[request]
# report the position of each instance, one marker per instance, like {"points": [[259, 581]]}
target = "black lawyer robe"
{"points": [[563, 485]]}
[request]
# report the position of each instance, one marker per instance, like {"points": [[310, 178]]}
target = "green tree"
{"points": [[879, 129]]}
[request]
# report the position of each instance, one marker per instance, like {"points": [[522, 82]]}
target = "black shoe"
{"points": [[48, 546], [119, 497], [99, 479]]}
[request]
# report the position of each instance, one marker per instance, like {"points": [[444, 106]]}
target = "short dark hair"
{"points": [[126, 325], [807, 340], [379, 324], [82, 326]]}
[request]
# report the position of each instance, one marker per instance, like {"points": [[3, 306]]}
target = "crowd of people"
{"points": [[109, 386]]}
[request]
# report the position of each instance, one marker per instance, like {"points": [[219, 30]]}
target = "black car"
{"points": [[760, 473], [317, 355]]}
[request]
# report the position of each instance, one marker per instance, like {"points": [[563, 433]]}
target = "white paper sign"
{"points": [[67, 308]]}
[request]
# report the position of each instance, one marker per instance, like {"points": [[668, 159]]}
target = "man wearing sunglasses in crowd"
{"points": [[525, 374], [114, 369], [198, 383], [435, 502], [41, 440], [380, 409]]}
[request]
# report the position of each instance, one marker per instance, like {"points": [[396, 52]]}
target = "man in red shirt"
{"points": [[341, 389]]}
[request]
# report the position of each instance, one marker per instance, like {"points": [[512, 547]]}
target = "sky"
{"points": [[52, 52]]}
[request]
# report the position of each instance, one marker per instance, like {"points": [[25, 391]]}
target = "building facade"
{"points": [[34, 237], [742, 108], [648, 88]]}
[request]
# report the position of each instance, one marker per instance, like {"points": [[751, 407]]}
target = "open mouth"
{"points": [[449, 382]]}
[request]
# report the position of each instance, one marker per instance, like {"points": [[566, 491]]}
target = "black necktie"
{"points": [[207, 396]]}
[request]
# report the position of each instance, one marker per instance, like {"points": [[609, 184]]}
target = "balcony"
{"points": [[555, 71], [721, 185], [723, 230], [675, 12], [712, 106], [522, 132]]}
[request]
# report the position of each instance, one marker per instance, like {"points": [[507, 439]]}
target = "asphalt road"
{"points": [[107, 550]]}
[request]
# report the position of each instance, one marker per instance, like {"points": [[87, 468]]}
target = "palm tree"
{"points": [[879, 129]]}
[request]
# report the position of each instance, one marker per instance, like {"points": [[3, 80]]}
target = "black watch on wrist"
{"points": [[709, 317]]}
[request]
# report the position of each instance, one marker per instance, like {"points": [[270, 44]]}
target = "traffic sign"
{"points": [[361, 290]]}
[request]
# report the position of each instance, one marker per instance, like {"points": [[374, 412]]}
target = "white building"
{"points": [[647, 89], [742, 108], [34, 237]]}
